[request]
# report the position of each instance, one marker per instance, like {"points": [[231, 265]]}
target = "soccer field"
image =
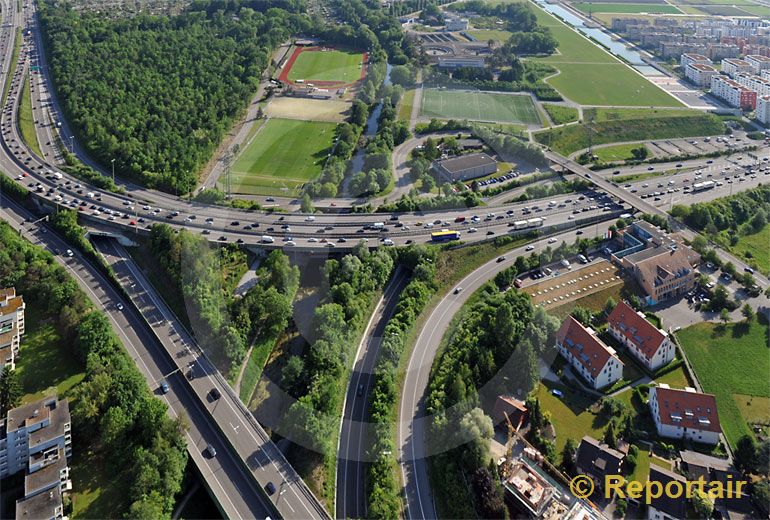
{"points": [[328, 65], [284, 154], [478, 106]]}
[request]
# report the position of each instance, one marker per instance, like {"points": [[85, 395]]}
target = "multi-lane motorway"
{"points": [[248, 459]]}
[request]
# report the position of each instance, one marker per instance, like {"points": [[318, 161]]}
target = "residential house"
{"points": [[596, 363], [651, 346], [597, 460], [665, 506], [11, 326], [685, 414]]}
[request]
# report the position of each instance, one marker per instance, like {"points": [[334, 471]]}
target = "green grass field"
{"points": [[570, 414], [331, 65], [405, 105], [591, 76], [729, 360], [561, 114], [601, 7], [618, 152], [757, 10], [754, 248], [284, 154], [478, 106], [27, 119], [612, 126]]}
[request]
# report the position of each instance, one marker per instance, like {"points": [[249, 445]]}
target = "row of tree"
{"points": [[113, 407], [509, 145], [318, 379], [383, 489], [519, 76], [743, 213], [492, 350]]}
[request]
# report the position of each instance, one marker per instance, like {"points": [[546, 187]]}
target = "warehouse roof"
{"points": [[465, 162]]}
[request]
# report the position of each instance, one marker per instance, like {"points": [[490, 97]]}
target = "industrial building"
{"points": [[466, 167]]}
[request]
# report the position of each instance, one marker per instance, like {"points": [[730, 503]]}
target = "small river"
{"points": [[615, 47]]}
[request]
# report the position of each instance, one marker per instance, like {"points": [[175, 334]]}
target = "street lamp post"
{"points": [[72, 145], [113, 170]]}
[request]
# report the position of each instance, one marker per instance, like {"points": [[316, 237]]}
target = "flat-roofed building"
{"points": [[43, 506], [466, 167], [11, 326], [732, 66], [476, 62], [733, 93], [691, 58], [757, 62], [700, 74], [763, 110]]}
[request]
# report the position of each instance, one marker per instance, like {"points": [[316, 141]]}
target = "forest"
{"points": [[157, 94], [114, 410]]}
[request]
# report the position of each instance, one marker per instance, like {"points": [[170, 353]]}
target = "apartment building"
{"points": [[733, 93], [763, 110], [757, 62], [753, 82], [733, 66], [699, 74], [596, 363], [648, 344], [692, 58], [685, 414], [11, 326], [35, 435]]}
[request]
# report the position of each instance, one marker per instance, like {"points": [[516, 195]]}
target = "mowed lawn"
{"points": [[478, 106], [591, 76], [285, 153], [729, 360], [601, 7], [329, 65]]}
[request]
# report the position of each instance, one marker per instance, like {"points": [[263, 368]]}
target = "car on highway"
{"points": [[70, 253], [500, 259], [215, 394], [211, 450], [529, 248], [270, 488], [119, 306], [749, 270], [458, 289], [164, 387], [360, 390], [557, 392]]}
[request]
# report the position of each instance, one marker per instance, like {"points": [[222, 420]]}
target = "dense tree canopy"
{"points": [[157, 93]]}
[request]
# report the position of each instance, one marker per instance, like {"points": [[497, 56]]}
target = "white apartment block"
{"points": [[753, 82], [700, 74], [732, 66], [651, 346], [685, 414], [763, 110], [692, 58], [35, 435], [757, 62], [596, 363], [733, 93], [11, 327]]}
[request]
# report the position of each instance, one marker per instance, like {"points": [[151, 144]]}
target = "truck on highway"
{"points": [[378, 225], [703, 186], [535, 222], [520, 224], [267, 239]]}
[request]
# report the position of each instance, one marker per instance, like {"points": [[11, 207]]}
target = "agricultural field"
{"points": [[612, 126], [729, 361], [591, 76], [479, 106], [327, 65], [601, 7], [283, 155]]}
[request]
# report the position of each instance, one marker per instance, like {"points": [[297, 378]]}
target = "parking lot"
{"points": [[572, 284]]}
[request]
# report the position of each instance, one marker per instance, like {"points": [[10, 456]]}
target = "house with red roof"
{"points": [[647, 343], [685, 414], [597, 363]]}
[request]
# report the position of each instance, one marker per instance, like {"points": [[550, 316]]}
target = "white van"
{"points": [[267, 239]]}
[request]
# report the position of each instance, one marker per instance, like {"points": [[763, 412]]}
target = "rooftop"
{"points": [[702, 67], [43, 505], [464, 162], [674, 507], [598, 458], [589, 350], [687, 408], [635, 327], [48, 476]]}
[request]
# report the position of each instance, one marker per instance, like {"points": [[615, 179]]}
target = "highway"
{"points": [[239, 429], [224, 474], [413, 423], [354, 440]]}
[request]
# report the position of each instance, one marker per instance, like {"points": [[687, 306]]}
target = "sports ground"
{"points": [[478, 106], [324, 67], [283, 155]]}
